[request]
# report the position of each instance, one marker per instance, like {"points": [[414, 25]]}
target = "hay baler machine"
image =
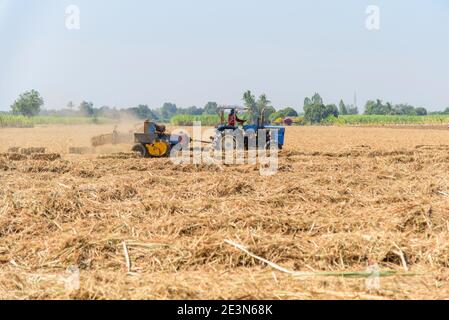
{"points": [[154, 142]]}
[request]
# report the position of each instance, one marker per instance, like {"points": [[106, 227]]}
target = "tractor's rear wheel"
{"points": [[228, 143], [141, 150]]}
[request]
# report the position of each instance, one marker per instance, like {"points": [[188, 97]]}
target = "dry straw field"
{"points": [[343, 199]]}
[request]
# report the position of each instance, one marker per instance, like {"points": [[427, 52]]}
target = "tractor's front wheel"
{"points": [[140, 150]]}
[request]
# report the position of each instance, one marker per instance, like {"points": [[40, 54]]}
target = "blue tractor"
{"points": [[274, 134]]}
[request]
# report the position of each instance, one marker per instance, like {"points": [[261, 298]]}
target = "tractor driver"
{"points": [[232, 119]]}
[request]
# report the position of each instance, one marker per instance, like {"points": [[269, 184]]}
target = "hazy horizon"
{"points": [[189, 53]]}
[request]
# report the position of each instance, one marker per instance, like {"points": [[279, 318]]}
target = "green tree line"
{"points": [[30, 104]]}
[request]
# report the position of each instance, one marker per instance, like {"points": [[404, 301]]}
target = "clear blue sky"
{"points": [[190, 52]]}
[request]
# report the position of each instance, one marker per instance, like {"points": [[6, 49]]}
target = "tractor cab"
{"points": [[232, 121]]}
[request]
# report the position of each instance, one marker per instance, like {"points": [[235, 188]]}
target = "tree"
{"points": [[211, 108], [107, 112], [332, 110], [420, 111], [28, 104], [315, 111], [194, 111], [403, 109], [342, 108], [370, 107], [283, 113], [289, 112], [262, 102], [316, 99], [264, 105], [70, 105], [378, 108], [307, 102], [87, 109], [142, 111], [168, 110], [352, 109], [269, 111], [250, 103], [406, 109]]}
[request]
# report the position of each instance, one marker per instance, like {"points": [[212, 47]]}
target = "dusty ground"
{"points": [[343, 199]]}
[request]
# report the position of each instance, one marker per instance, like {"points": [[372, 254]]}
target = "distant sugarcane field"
{"points": [[189, 120], [388, 119], [20, 121]]}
